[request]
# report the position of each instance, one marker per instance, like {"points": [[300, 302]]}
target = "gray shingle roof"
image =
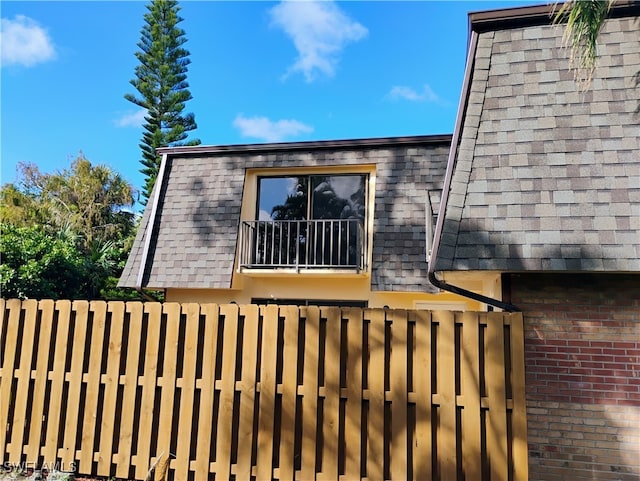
{"points": [[194, 242], [547, 177]]}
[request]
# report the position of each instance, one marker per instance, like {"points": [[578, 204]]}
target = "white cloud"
{"points": [[319, 30], [269, 130], [131, 119], [264, 215], [407, 93], [24, 42]]}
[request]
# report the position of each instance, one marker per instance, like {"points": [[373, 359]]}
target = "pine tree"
{"points": [[161, 80]]}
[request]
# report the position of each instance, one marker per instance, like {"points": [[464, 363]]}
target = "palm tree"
{"points": [[584, 19]]}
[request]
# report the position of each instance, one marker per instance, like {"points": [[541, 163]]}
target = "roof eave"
{"points": [[307, 145], [507, 18]]}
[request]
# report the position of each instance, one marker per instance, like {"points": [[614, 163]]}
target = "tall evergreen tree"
{"points": [[161, 81]]}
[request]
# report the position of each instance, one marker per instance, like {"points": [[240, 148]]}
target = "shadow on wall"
{"points": [[581, 338], [400, 234], [214, 215], [477, 249]]}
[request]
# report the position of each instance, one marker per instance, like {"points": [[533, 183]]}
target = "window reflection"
{"points": [[332, 197], [310, 220]]}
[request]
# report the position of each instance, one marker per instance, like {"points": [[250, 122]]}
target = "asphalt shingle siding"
{"points": [[547, 177], [199, 212]]}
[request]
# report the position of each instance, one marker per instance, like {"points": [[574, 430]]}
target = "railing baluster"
{"points": [[297, 244], [347, 257], [241, 242], [309, 240], [256, 245], [328, 243], [274, 226], [264, 247], [332, 244], [337, 236], [319, 260], [343, 243], [322, 243], [290, 254], [359, 251]]}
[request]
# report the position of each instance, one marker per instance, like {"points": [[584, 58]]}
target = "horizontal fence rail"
{"points": [[262, 392]]}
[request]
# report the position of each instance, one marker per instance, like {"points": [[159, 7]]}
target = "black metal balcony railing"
{"points": [[302, 244]]}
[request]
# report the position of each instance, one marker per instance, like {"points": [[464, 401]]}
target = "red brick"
{"points": [[627, 359], [582, 364], [616, 351]]}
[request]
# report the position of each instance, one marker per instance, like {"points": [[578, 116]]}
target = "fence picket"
{"points": [[40, 382], [247, 391], [309, 389], [289, 392], [497, 414], [74, 383], [147, 385], [91, 381], [191, 315], [268, 376], [422, 460], [3, 329], [353, 408], [14, 307], [206, 430], [331, 401], [55, 410], [360, 385], [167, 383], [111, 383], [519, 413], [130, 385], [23, 374], [398, 385], [446, 376], [469, 375], [375, 431], [224, 444]]}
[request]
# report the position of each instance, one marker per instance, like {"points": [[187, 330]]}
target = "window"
{"points": [[308, 221], [309, 302], [312, 197]]}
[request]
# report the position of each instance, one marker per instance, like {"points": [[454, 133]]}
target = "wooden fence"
{"points": [[262, 392]]}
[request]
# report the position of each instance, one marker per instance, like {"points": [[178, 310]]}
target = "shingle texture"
{"points": [[196, 229], [547, 176]]}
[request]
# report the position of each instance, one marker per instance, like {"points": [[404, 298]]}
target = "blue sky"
{"points": [[260, 72]]}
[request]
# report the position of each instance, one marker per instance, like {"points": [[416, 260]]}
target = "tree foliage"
{"points": [[36, 264], [584, 20], [67, 234], [161, 81]]}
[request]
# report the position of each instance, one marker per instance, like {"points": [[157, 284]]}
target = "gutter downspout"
{"points": [[149, 231], [433, 255]]}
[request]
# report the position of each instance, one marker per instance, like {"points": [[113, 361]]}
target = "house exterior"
{"points": [[543, 191], [332, 222], [534, 204]]}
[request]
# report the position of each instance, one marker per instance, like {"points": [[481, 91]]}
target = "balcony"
{"points": [[303, 244]]}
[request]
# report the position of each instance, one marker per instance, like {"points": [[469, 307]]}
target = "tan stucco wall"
{"points": [[348, 287]]}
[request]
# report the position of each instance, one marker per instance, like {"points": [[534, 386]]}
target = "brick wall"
{"points": [[582, 356]]}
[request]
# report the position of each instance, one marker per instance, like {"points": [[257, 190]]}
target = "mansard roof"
{"points": [[545, 176], [187, 239]]}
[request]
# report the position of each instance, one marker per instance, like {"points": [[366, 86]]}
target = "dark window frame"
{"points": [[310, 191], [310, 302]]}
